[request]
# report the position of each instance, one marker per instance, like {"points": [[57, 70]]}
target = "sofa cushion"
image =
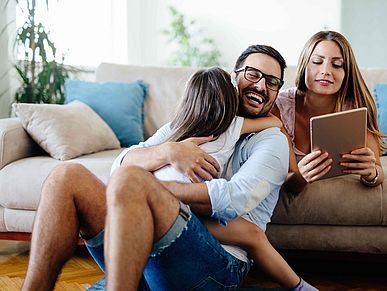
{"points": [[66, 131], [380, 93], [335, 201], [119, 104], [336, 238], [34, 170], [18, 220]]}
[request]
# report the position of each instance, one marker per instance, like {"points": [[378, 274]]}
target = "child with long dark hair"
{"points": [[209, 108]]}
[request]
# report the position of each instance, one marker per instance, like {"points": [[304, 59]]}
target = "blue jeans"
{"points": [[187, 257]]}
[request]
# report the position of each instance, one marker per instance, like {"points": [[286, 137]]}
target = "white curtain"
{"points": [[8, 28]]}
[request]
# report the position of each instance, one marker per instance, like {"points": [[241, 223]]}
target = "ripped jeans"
{"points": [[187, 257]]}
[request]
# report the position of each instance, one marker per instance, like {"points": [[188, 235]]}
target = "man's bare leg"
{"points": [[140, 211], [72, 200]]}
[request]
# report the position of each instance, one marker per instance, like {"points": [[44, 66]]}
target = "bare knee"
{"points": [[129, 183], [67, 171], [62, 178], [259, 234], [256, 238], [136, 177]]}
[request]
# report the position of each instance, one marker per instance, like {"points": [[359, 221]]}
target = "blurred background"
{"points": [[185, 32]]}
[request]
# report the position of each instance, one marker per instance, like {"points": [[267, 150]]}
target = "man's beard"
{"points": [[245, 112]]}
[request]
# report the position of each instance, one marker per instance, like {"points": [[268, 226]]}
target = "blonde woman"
{"points": [[328, 80]]}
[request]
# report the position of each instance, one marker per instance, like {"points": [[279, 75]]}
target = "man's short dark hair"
{"points": [[261, 49]]}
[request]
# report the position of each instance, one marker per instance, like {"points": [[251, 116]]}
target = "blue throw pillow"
{"points": [[119, 104], [380, 93]]}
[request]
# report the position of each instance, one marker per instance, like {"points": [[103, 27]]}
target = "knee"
{"points": [[128, 183], [133, 175], [257, 237], [63, 177], [67, 172]]}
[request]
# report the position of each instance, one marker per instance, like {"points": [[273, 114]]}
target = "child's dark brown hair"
{"points": [[209, 105]]}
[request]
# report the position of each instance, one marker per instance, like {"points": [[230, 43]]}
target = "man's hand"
{"points": [[188, 158]]}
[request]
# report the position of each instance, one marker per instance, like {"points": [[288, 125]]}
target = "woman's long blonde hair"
{"points": [[353, 89]]}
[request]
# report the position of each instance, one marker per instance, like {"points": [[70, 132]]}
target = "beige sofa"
{"points": [[336, 214]]}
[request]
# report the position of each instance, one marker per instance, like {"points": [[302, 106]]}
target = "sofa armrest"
{"points": [[15, 143]]}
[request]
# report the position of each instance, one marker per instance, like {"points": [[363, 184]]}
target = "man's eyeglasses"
{"points": [[254, 75]]}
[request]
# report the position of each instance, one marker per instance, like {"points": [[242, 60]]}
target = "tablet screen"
{"points": [[338, 133]]}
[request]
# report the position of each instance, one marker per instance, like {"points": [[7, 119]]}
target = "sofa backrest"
{"points": [[166, 86]]}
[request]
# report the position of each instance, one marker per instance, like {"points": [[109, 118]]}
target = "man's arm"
{"points": [[265, 160], [185, 156]]}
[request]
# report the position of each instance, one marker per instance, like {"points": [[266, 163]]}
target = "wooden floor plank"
{"points": [[10, 284]]}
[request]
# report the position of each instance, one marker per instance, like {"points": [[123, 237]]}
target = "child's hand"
{"points": [[188, 158]]}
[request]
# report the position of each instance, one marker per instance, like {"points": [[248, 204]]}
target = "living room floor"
{"points": [[78, 274], [331, 271], [325, 272]]}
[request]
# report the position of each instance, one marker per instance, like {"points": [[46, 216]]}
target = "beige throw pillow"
{"points": [[66, 131]]}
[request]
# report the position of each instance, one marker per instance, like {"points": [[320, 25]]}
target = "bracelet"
{"points": [[373, 181]]}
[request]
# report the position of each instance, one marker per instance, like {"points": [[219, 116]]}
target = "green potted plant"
{"points": [[42, 73]]}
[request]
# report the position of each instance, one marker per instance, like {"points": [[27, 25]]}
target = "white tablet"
{"points": [[338, 133]]}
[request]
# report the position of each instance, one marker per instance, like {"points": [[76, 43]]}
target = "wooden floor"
{"points": [[78, 274], [81, 271]]}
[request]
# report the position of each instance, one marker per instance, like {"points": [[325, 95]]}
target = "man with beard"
{"points": [[152, 239]]}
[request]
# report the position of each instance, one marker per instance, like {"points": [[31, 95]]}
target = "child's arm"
{"points": [[247, 235], [260, 123]]}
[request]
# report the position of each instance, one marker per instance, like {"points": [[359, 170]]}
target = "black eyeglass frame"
{"points": [[263, 75]]}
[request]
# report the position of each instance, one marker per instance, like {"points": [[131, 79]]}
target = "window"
{"points": [[86, 32]]}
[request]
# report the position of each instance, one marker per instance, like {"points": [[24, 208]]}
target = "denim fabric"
{"points": [[95, 248], [174, 232], [193, 260]]}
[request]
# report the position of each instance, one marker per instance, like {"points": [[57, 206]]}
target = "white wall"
{"points": [[283, 24], [364, 23], [234, 25], [146, 21]]}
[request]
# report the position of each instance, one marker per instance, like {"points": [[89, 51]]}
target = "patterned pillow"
{"points": [[66, 131]]}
